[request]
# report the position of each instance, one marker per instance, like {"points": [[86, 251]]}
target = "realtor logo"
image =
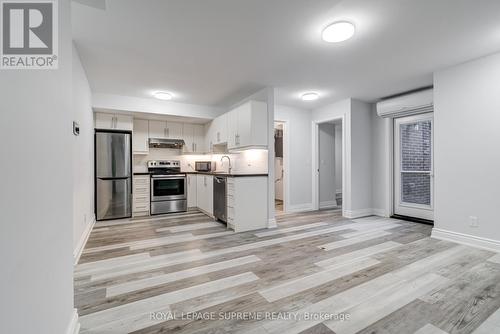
{"points": [[28, 34]]}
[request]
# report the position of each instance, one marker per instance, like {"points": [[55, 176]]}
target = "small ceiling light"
{"points": [[338, 32], [310, 96], [162, 95]]}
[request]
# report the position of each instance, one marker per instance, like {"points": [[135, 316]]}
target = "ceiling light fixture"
{"points": [[162, 95], [338, 32], [310, 96]]}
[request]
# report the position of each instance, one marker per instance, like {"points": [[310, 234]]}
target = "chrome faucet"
{"points": [[229, 159]]}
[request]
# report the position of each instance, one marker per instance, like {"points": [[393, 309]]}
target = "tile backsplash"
{"points": [[249, 161]]}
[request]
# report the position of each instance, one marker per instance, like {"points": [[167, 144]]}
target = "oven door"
{"points": [[166, 188]]}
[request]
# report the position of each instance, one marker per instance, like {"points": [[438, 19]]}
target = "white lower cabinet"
{"points": [[141, 191], [192, 192], [205, 193], [247, 203]]}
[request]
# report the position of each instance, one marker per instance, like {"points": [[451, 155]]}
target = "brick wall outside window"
{"points": [[416, 156]]}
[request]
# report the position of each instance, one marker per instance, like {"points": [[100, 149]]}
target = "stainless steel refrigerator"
{"points": [[113, 170]]}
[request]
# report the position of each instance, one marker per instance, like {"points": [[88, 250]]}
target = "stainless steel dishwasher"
{"points": [[220, 207]]}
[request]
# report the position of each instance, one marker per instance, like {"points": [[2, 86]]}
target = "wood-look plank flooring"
{"points": [[316, 273]]}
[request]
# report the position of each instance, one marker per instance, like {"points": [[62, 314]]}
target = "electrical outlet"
{"points": [[473, 221]]}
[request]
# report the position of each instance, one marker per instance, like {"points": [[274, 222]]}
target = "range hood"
{"points": [[166, 143]]}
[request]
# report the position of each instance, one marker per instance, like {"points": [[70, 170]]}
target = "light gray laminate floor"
{"points": [[316, 273]]}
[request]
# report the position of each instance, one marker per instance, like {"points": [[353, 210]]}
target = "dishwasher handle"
{"points": [[219, 179]]}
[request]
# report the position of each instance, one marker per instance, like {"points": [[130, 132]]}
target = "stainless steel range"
{"points": [[168, 187]]}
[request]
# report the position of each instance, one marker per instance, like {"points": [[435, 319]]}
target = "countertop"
{"points": [[227, 174], [214, 174]]}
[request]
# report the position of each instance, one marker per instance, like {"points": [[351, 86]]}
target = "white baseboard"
{"points": [[327, 204], [380, 213], [271, 223], [74, 325], [294, 208], [81, 243], [466, 239], [351, 214]]}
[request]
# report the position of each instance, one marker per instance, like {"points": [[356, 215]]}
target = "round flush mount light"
{"points": [[310, 96], [338, 32], [162, 96]]}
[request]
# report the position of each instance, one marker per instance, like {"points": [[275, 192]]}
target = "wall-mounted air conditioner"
{"points": [[409, 104]]}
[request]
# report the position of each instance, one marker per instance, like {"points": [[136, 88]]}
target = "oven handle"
{"points": [[168, 177]]}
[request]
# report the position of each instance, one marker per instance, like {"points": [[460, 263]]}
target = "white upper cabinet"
{"points": [[247, 126], [217, 132], [174, 130], [232, 128], [113, 122], [188, 136], [199, 138], [220, 135], [140, 138], [165, 130], [104, 121], [157, 129], [124, 122], [193, 135]]}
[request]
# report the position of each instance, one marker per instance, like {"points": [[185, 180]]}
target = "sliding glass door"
{"points": [[413, 166]]}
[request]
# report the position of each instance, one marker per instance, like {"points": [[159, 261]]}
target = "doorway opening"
{"points": [[330, 144], [279, 167]]}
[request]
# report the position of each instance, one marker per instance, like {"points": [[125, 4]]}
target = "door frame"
{"points": [[395, 170], [286, 164], [315, 162]]}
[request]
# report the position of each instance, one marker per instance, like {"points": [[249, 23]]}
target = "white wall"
{"points": [[467, 154], [83, 157], [298, 178], [36, 230], [381, 147], [361, 181], [326, 141]]}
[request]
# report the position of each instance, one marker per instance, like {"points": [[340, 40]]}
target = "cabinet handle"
{"points": [[168, 133], [218, 136], [195, 147], [192, 147], [164, 132]]}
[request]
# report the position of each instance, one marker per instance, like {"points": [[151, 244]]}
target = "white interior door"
{"points": [[414, 166]]}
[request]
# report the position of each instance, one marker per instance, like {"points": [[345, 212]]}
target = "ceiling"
{"points": [[219, 51]]}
